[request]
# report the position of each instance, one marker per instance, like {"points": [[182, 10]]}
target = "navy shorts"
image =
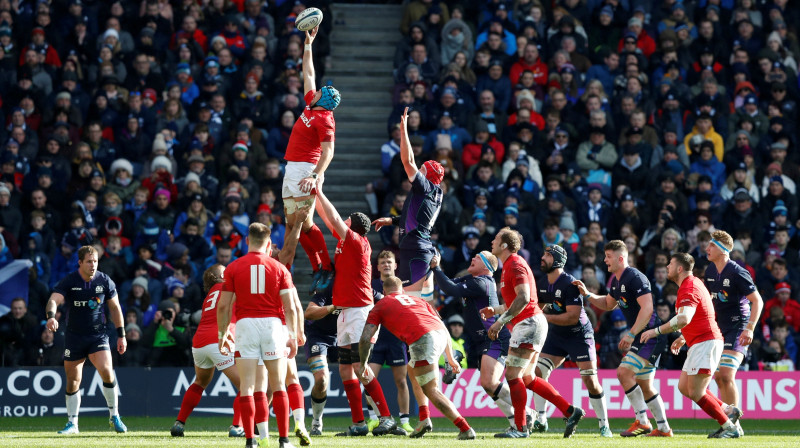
{"points": [[391, 353], [79, 346], [579, 346], [414, 264], [651, 349], [730, 336], [321, 346], [497, 349]]}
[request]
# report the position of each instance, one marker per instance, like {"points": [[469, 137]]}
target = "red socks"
{"points": [[308, 246], [316, 241], [712, 408], [280, 404], [352, 388], [519, 398], [190, 400], [714, 397], [262, 407], [248, 408], [461, 424], [424, 413], [549, 393], [295, 396], [237, 412], [375, 391]]}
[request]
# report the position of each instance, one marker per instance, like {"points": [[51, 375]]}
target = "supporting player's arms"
{"points": [[330, 216], [299, 321], [309, 74], [224, 307], [56, 299], [115, 312], [287, 298], [365, 346], [316, 312], [468, 289], [681, 319], [571, 317], [406, 154], [605, 303], [756, 306]]}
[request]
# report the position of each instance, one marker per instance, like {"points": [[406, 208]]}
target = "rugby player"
{"points": [[528, 334], [83, 294], [320, 327], [417, 324], [630, 290], [738, 307], [696, 321], [569, 334]]}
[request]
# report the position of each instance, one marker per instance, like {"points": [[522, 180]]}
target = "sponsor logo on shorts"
{"points": [[66, 353], [77, 289], [398, 360], [270, 353], [224, 363], [315, 348], [709, 279]]}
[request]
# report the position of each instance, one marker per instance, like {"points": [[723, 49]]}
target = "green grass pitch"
{"points": [[211, 432]]}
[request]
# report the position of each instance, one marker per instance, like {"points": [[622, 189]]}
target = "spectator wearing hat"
{"points": [[417, 10], [782, 299], [122, 182], [603, 37], [641, 40], [625, 212], [751, 109], [741, 215], [777, 192], [596, 153], [498, 84], [783, 101], [704, 128], [160, 211], [593, 208], [484, 179], [481, 202], [739, 178], [450, 129], [193, 234], [462, 257], [708, 165], [483, 142]]}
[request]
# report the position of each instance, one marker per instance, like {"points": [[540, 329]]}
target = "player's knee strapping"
{"points": [[354, 356], [588, 372], [426, 378], [110, 385], [729, 361], [344, 356], [306, 203], [545, 367], [290, 205], [630, 362], [317, 365], [646, 373], [516, 361]]}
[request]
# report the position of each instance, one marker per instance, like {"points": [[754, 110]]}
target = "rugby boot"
{"points": [[116, 423], [732, 433], [422, 427], [316, 428], [70, 428], [540, 426], [605, 431], [302, 434], [372, 423], [356, 430], [386, 426], [572, 421], [177, 429], [284, 442], [636, 429], [466, 435], [235, 431], [406, 427], [659, 433], [512, 433]]}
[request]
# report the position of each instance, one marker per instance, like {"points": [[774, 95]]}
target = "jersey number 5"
{"points": [[258, 274], [212, 301]]}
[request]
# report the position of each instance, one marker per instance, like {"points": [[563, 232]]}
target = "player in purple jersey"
{"points": [[630, 290], [570, 334], [738, 306], [420, 211], [83, 294], [478, 291]]}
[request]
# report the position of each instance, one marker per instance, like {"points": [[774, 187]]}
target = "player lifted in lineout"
{"points": [[528, 334], [206, 355], [83, 293], [569, 334], [630, 290], [308, 154], [352, 292], [477, 291], [738, 306], [420, 211], [416, 323], [696, 321], [266, 330]]}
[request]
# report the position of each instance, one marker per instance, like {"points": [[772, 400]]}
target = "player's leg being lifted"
{"points": [[636, 374]]}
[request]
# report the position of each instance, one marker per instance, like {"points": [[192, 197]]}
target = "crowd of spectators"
{"points": [[580, 121], [152, 129]]}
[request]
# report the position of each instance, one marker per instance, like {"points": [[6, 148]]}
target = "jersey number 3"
{"points": [[212, 301]]}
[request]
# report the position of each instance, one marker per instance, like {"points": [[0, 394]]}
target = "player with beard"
{"points": [[477, 291], [738, 307], [630, 290], [696, 321], [528, 334], [569, 334], [420, 211]]}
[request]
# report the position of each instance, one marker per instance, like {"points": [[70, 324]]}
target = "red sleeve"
{"points": [[690, 299], [286, 279], [227, 285], [374, 316], [519, 275], [309, 96], [325, 130], [430, 309]]}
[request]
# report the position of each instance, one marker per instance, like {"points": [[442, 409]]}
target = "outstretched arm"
{"points": [[309, 75], [329, 214], [406, 154]]}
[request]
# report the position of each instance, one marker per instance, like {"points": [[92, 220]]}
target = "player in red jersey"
{"points": [[206, 356], [697, 322], [262, 289], [352, 292], [528, 334], [416, 323], [308, 154]]}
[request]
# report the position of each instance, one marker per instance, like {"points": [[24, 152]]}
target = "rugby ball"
{"points": [[308, 19]]}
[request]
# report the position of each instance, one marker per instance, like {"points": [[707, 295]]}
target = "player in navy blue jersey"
{"points": [[737, 305], [420, 211], [630, 290], [83, 293], [320, 328], [569, 334], [390, 351]]}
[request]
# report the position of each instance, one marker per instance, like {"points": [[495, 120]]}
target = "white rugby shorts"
{"points": [[703, 357], [428, 349], [293, 174], [261, 338], [209, 356], [529, 333], [350, 325]]}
